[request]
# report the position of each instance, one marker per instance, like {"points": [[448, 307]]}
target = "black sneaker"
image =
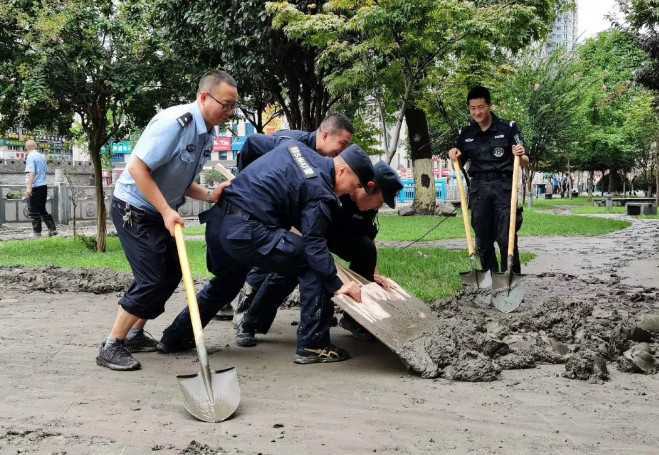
{"points": [[171, 348], [245, 337], [52, 233], [115, 356], [225, 314], [141, 342], [327, 354]]}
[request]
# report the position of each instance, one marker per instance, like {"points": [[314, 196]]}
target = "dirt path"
{"points": [[56, 400]]}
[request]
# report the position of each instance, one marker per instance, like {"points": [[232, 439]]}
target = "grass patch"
{"points": [[430, 274], [536, 223], [69, 253]]}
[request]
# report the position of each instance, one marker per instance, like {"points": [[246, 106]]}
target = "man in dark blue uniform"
{"points": [[351, 236], [292, 186], [330, 139], [488, 145]]}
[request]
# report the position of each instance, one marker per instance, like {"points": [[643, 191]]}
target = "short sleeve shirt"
{"points": [[175, 149], [36, 164]]}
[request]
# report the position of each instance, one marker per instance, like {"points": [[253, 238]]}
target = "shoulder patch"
{"points": [[301, 162], [184, 119]]}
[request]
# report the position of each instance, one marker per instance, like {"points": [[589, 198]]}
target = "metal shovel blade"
{"points": [[214, 400], [507, 291]]}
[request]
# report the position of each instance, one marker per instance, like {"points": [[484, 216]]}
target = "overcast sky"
{"points": [[591, 16]]}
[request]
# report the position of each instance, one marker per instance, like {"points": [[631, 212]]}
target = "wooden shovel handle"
{"points": [[513, 207], [465, 207], [195, 318]]}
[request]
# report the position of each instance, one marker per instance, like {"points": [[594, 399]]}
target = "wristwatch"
{"points": [[209, 195]]}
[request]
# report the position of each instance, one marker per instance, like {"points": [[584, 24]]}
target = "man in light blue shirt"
{"points": [[36, 190], [166, 160]]}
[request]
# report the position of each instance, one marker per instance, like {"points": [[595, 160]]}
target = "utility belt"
{"points": [[227, 208], [491, 175]]}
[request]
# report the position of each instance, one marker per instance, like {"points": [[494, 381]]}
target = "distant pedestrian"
{"points": [[36, 190]]}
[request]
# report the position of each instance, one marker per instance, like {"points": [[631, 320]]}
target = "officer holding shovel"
{"points": [[488, 146], [167, 158]]}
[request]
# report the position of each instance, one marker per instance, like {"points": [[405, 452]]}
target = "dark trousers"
{"points": [[489, 200], [271, 289], [37, 209], [151, 253], [236, 243]]}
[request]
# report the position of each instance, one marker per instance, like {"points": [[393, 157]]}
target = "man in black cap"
{"points": [[292, 186], [351, 237], [489, 145]]}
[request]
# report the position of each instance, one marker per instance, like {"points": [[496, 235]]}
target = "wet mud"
{"points": [[57, 280], [582, 323]]}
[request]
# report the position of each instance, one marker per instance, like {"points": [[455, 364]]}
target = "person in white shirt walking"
{"points": [[36, 189]]}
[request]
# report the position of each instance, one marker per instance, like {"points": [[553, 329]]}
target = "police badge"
{"points": [[498, 152]]}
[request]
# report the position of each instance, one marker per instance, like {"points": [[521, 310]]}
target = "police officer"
{"points": [[488, 146], [166, 160], [290, 186], [332, 136], [330, 139], [351, 236]]}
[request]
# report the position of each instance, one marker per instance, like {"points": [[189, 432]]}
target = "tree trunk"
{"points": [[656, 173], [95, 154], [421, 155], [591, 183], [611, 173]]}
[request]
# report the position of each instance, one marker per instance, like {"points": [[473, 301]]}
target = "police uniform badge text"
{"points": [[301, 162]]}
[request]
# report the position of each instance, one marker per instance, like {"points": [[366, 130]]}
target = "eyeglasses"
{"points": [[225, 106]]}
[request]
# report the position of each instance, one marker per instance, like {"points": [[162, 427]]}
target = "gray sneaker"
{"points": [[115, 356], [141, 342]]}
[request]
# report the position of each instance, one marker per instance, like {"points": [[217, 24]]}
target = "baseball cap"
{"points": [[360, 163], [388, 181]]}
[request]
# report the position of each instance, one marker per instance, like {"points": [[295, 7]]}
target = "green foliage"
{"points": [[545, 97]]}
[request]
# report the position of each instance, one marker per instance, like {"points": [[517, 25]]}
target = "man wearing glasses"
{"points": [[166, 160]]}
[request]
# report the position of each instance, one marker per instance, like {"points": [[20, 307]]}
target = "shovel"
{"points": [[210, 396], [476, 277], [508, 288]]}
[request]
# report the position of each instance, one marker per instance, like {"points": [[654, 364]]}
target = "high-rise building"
{"points": [[564, 32]]}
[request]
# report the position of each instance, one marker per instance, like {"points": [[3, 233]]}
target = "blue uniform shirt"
{"points": [[36, 164], [174, 153], [292, 186], [258, 145]]}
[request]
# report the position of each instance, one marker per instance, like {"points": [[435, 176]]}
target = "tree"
{"points": [[96, 59], [545, 97], [643, 24], [609, 138], [269, 67], [392, 48]]}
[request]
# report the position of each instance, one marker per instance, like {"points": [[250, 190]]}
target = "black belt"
{"points": [[491, 175]]}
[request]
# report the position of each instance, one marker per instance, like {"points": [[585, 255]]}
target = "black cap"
{"points": [[388, 181], [360, 164]]}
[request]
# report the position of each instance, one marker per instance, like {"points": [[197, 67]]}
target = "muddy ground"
{"points": [[586, 297]]}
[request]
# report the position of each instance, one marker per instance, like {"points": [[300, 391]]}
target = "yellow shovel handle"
{"points": [[513, 207], [195, 318], [465, 207]]}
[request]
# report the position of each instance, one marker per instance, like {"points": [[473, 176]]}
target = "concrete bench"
{"points": [[641, 208]]}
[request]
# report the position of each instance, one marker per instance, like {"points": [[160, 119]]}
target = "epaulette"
{"points": [[184, 119], [512, 123]]}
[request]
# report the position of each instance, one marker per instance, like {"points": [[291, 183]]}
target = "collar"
{"points": [[312, 139], [200, 123], [494, 126]]}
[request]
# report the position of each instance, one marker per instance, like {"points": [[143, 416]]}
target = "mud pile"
{"points": [[582, 323], [57, 279]]}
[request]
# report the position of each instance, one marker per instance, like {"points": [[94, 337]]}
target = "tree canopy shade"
{"points": [[94, 58], [269, 67], [394, 50]]}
